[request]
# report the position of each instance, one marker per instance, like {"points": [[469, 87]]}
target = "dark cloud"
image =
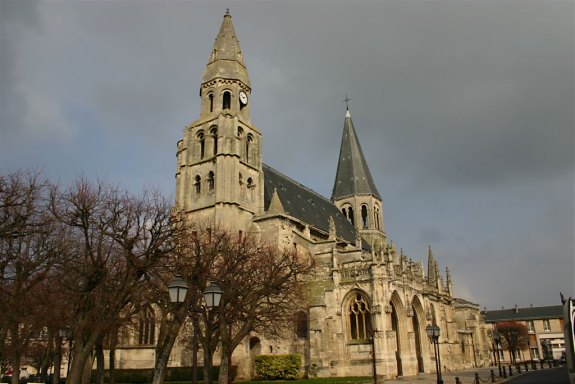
{"points": [[464, 111]]}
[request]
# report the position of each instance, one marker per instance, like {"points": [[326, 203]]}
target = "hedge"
{"points": [[278, 367]]}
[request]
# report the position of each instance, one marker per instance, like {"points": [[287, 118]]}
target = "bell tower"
{"points": [[219, 177], [354, 191]]}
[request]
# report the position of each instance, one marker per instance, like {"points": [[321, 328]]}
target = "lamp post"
{"points": [[497, 339], [372, 333], [433, 334], [178, 289]]}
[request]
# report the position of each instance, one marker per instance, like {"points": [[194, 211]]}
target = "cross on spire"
{"points": [[347, 100]]}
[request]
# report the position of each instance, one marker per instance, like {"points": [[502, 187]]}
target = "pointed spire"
{"points": [[353, 176], [226, 60], [431, 268]]}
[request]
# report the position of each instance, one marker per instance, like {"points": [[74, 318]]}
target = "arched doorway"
{"points": [[255, 349]]}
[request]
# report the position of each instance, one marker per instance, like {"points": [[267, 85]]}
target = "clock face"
{"points": [[243, 98]]}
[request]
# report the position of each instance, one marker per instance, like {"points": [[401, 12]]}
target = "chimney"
{"points": [[516, 309]]}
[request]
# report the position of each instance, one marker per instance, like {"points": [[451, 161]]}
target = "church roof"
{"points": [[353, 176], [304, 204], [529, 313], [226, 60]]}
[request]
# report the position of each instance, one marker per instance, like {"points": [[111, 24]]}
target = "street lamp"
{"points": [[178, 288], [497, 339], [433, 334]]}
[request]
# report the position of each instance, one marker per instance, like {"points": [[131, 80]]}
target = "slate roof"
{"points": [[522, 314], [353, 176], [305, 205]]}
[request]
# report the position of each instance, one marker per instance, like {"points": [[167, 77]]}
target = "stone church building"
{"points": [[363, 283]]}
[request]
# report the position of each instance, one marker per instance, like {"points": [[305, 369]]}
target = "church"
{"points": [[370, 304]]}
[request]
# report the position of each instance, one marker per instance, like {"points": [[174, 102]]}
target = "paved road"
{"points": [[547, 376]]}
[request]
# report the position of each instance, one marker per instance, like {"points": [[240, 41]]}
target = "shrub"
{"points": [[278, 367]]}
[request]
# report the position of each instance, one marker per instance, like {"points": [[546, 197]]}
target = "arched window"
{"points": [[198, 184], [211, 180], [376, 218], [350, 216], [227, 100], [250, 182], [301, 325], [214, 135], [249, 141], [344, 211], [364, 215], [359, 318], [211, 99], [202, 141], [147, 327]]}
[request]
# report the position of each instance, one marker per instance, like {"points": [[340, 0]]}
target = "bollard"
{"points": [[492, 376], [542, 364], [510, 371], [504, 373], [533, 365], [518, 368], [526, 367], [550, 365], [457, 381]]}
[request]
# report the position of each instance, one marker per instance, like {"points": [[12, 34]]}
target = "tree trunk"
{"points": [[81, 353], [112, 357], [16, 368], [224, 368], [164, 349], [100, 362], [57, 359]]}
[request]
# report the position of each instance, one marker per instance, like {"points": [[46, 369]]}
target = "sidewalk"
{"points": [[465, 376]]}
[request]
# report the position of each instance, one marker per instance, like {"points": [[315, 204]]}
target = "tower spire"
{"points": [[353, 176], [226, 59]]}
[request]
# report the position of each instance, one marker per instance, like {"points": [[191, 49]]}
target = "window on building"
{"points": [[147, 327], [301, 325], [202, 141], [211, 180], [530, 326], [364, 215], [546, 325], [198, 184], [214, 135], [350, 215], [377, 218], [359, 318], [249, 141], [211, 99], [227, 100]]}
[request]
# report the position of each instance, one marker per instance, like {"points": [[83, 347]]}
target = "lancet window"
{"points": [[359, 317]]}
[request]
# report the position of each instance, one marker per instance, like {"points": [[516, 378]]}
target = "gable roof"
{"points": [[522, 314], [305, 205]]}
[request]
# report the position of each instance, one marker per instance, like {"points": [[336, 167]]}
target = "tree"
{"points": [[514, 337], [262, 285], [30, 242], [116, 242]]}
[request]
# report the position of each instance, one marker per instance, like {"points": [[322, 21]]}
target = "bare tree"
{"points": [[514, 336], [30, 241], [116, 243], [263, 287]]}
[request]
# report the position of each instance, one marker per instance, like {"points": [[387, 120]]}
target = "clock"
{"points": [[243, 98]]}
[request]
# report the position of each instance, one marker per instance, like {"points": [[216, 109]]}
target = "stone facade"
{"points": [[367, 300]]}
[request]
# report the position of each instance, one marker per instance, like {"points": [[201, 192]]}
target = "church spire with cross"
{"points": [[354, 191]]}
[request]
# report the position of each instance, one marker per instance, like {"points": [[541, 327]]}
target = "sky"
{"points": [[464, 110]]}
